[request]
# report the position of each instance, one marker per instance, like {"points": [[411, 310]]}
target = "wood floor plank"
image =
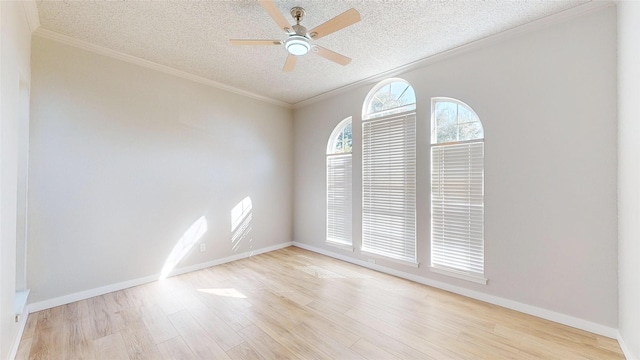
{"points": [[126, 318], [176, 349], [264, 345], [24, 348], [226, 311], [243, 351], [157, 323], [326, 345], [139, 296], [117, 301], [608, 344], [110, 347], [139, 343], [331, 329], [391, 345], [76, 343], [284, 336], [370, 351], [381, 315], [429, 349], [76, 311], [295, 304], [221, 333], [47, 341], [99, 322], [217, 328], [30, 326], [162, 294], [198, 340]]}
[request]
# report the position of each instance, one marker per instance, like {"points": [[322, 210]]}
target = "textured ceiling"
{"points": [[192, 36]]}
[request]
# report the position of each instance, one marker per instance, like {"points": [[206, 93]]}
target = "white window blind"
{"points": [[389, 186], [457, 207], [339, 170]]}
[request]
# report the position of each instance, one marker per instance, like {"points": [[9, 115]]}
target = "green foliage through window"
{"points": [[392, 97], [454, 122], [341, 140]]}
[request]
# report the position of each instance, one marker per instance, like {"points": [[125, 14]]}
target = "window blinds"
{"points": [[389, 186], [457, 207], [339, 172]]}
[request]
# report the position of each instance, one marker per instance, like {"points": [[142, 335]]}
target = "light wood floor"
{"points": [[295, 304]]}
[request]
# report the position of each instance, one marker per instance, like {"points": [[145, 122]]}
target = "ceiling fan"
{"points": [[298, 41]]}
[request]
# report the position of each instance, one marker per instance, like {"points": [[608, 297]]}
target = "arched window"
{"points": [[454, 121], [389, 171], [457, 190], [389, 97], [339, 170]]}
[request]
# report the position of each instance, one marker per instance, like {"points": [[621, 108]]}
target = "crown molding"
{"points": [[595, 5], [31, 11], [572, 13], [68, 40]]}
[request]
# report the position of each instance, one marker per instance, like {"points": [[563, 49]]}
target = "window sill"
{"points": [[340, 245], [21, 301], [386, 258], [459, 275]]}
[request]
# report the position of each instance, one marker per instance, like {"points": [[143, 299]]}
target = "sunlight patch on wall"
{"points": [[184, 245], [241, 217]]}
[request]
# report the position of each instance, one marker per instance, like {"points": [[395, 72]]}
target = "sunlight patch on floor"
{"points": [[224, 292]]}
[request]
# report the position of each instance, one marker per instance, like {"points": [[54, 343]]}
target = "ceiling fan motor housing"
{"points": [[298, 43], [300, 30]]}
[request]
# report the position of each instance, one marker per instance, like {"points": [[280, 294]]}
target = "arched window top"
{"points": [[340, 141], [391, 96], [454, 121]]}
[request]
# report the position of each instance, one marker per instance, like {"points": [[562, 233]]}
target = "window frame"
{"points": [[473, 276], [387, 112], [338, 157], [407, 114]]}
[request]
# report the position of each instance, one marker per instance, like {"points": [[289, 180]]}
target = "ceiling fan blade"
{"points": [[290, 63], [254, 42], [341, 21], [331, 55], [273, 11]]}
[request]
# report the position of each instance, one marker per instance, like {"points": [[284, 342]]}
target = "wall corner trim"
{"points": [[82, 295], [33, 17], [495, 300], [625, 349], [21, 326]]}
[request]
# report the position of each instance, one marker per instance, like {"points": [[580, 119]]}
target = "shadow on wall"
{"points": [[186, 242], [241, 217]]}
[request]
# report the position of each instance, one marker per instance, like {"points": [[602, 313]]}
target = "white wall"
{"points": [[629, 176], [15, 72], [125, 159], [547, 100]]}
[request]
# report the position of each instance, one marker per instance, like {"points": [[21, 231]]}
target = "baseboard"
{"points": [[625, 349], [509, 304], [66, 299], [22, 324]]}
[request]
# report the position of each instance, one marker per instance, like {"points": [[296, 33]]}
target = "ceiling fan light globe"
{"points": [[297, 45]]}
